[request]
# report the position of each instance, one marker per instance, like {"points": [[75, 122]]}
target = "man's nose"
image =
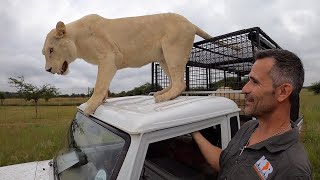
{"points": [[245, 89], [49, 70]]}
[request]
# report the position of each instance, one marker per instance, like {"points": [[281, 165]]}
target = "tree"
{"points": [[2, 97], [143, 89], [110, 94], [51, 92], [90, 92], [315, 87], [31, 92]]}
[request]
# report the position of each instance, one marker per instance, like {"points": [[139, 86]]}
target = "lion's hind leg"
{"points": [[177, 86], [176, 58]]}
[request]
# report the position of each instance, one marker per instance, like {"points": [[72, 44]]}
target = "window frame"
{"points": [[229, 123]]}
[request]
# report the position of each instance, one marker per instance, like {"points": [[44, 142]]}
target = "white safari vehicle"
{"points": [[135, 138]]}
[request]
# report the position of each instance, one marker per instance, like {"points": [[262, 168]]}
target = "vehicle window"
{"points": [[234, 125], [213, 135], [180, 158], [93, 150]]}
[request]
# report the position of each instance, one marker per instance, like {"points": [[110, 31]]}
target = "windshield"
{"points": [[93, 150]]}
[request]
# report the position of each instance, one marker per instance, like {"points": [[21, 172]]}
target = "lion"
{"points": [[114, 44]]}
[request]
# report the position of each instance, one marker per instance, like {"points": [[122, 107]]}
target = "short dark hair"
{"points": [[287, 68]]}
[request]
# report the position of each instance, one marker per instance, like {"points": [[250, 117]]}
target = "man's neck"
{"points": [[275, 123]]}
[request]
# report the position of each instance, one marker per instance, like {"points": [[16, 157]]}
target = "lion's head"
{"points": [[59, 50]]}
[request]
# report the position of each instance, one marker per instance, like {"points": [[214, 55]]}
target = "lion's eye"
{"points": [[51, 50]]}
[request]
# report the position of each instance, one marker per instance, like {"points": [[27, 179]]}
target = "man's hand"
{"points": [[209, 151], [196, 134]]}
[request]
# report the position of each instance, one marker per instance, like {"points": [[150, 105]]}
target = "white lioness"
{"points": [[114, 44]]}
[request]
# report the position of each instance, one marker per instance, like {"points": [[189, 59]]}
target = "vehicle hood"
{"points": [[38, 170]]}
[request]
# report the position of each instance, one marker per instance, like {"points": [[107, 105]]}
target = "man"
{"points": [[269, 147]]}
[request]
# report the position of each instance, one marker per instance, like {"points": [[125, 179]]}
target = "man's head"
{"points": [[276, 78], [59, 50]]}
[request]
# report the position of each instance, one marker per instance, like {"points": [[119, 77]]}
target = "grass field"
{"points": [[52, 102], [24, 138], [310, 107]]}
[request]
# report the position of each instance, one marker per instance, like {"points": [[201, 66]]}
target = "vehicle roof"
{"points": [[140, 114]]}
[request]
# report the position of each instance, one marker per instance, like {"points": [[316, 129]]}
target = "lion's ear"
{"points": [[60, 30]]}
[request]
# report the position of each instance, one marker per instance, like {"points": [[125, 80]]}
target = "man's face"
{"points": [[260, 94]]}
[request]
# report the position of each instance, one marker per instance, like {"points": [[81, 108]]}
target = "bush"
{"points": [[232, 82], [315, 87]]}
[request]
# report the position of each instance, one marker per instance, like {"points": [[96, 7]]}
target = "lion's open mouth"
{"points": [[64, 67]]}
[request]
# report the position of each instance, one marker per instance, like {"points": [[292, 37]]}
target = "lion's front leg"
{"points": [[106, 71]]}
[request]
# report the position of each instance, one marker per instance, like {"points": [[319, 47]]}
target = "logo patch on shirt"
{"points": [[263, 167]]}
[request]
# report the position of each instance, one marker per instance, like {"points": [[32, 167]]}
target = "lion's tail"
{"points": [[202, 33], [205, 35]]}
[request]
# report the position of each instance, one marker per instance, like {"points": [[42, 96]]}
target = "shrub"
{"points": [[315, 87]]}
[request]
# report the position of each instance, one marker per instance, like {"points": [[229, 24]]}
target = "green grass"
{"points": [[33, 142], [26, 114], [52, 102], [310, 107], [24, 138]]}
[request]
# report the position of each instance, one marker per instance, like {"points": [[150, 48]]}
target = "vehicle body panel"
{"points": [[146, 122], [140, 114], [38, 170]]}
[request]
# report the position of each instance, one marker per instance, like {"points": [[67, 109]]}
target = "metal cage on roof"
{"points": [[222, 62]]}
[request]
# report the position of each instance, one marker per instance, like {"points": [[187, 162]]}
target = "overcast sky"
{"points": [[293, 24]]}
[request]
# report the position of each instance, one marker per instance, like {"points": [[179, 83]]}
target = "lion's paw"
{"points": [[161, 98], [156, 94], [90, 109]]}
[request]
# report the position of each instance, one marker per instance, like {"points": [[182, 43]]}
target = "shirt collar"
{"points": [[280, 142]]}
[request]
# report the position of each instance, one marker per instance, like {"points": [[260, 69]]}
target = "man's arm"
{"points": [[209, 151]]}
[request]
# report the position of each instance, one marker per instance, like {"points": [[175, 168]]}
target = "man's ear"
{"points": [[60, 30], [284, 91], [43, 51]]}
